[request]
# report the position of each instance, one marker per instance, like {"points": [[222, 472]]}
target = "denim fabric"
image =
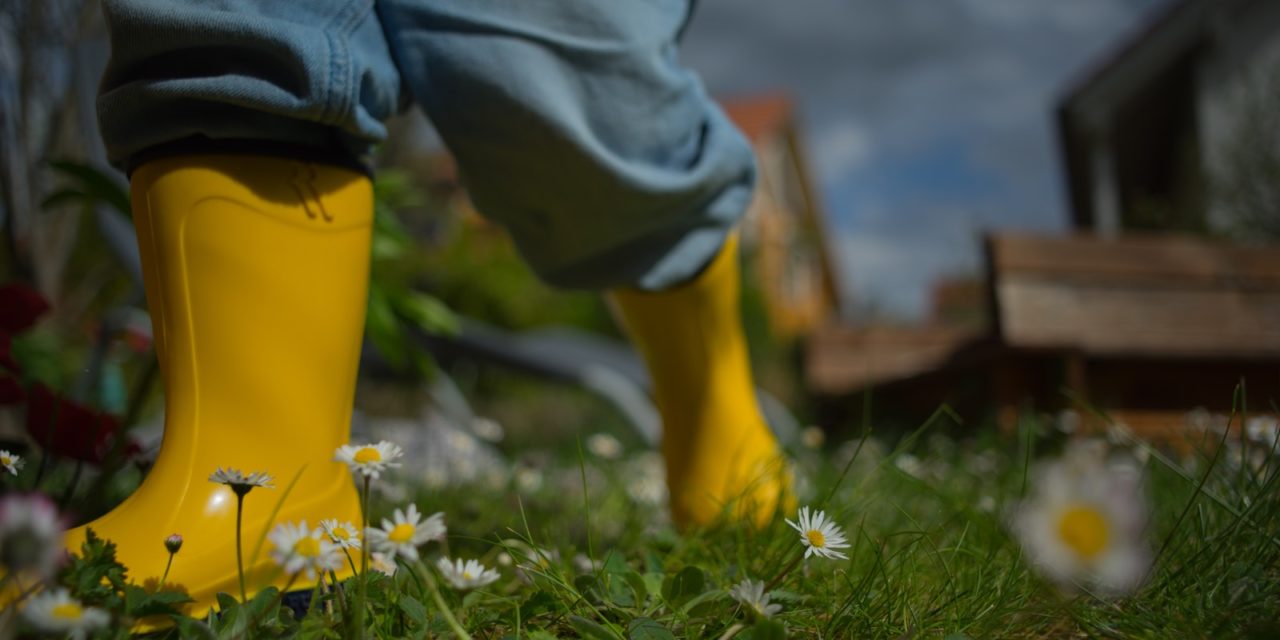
{"points": [[573, 123]]}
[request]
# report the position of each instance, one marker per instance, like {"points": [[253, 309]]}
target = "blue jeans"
{"points": [[572, 121]]}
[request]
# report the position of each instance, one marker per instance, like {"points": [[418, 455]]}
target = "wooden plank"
{"points": [[842, 359], [1148, 260], [1098, 320], [1140, 296]]}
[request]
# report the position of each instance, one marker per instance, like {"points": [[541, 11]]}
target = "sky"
{"points": [[926, 122]]}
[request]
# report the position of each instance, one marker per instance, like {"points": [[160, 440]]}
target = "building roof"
{"points": [[1087, 107], [1152, 45], [759, 115]]}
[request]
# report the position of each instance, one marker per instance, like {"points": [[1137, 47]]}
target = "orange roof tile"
{"points": [[760, 114]]}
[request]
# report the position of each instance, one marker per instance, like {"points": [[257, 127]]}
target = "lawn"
{"points": [[582, 547]]}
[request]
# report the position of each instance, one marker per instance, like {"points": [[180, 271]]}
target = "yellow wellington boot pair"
{"points": [[255, 271], [721, 457]]}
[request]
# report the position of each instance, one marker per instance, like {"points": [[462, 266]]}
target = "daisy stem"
{"points": [[316, 592], [339, 592], [351, 562], [11, 607], [23, 592], [445, 612], [239, 554], [782, 574], [364, 559], [165, 575]]}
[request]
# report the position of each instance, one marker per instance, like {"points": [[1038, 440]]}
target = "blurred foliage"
{"points": [[1246, 183], [396, 308], [92, 285], [87, 187], [476, 270], [91, 278]]}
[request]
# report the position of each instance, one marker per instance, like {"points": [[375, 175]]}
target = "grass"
{"points": [[585, 551], [931, 556]]}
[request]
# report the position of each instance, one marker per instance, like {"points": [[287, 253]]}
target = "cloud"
{"points": [[889, 267], [841, 149], [938, 112]]}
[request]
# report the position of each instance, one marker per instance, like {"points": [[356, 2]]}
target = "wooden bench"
{"points": [[1136, 296], [1144, 328]]}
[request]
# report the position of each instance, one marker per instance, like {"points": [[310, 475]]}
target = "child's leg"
{"points": [[721, 456], [256, 273], [577, 129], [240, 128]]}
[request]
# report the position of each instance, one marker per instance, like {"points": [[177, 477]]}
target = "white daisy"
{"points": [[382, 564], [751, 594], [370, 460], [1085, 519], [298, 549], [57, 612], [647, 479], [911, 465], [821, 536], [466, 575], [527, 560], [241, 483], [487, 429], [30, 535], [527, 479], [11, 462], [1261, 429], [541, 559], [585, 564], [405, 533], [813, 437], [343, 534], [604, 446]]}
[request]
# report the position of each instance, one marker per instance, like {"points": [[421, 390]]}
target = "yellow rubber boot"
{"points": [[721, 457], [256, 273]]}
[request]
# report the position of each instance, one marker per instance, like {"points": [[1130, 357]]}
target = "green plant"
{"points": [[396, 308]]}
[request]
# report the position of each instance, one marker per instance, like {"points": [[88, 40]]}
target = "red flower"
{"points": [[10, 389], [6, 353], [71, 430], [20, 305], [137, 338]]}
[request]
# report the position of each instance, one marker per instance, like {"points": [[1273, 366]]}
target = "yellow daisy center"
{"points": [[402, 533], [466, 575], [1084, 530], [307, 547], [68, 611], [6, 460], [368, 454], [340, 533], [816, 538]]}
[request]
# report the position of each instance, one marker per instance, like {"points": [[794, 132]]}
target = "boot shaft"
{"points": [[256, 275]]}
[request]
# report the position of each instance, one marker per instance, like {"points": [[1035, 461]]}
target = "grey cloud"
{"points": [[879, 81], [889, 267]]}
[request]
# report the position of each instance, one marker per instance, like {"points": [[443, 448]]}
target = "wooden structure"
{"points": [[784, 233], [1121, 314], [1146, 130], [1137, 296], [1145, 328]]}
